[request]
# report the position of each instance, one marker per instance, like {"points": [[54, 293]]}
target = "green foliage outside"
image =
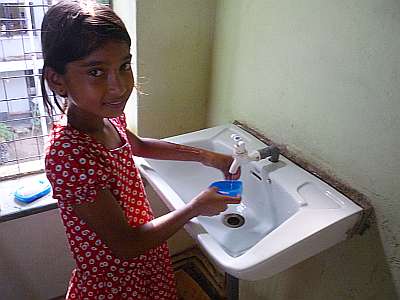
{"points": [[5, 133]]}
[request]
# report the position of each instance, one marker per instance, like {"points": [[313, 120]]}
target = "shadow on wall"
{"points": [[354, 269]]}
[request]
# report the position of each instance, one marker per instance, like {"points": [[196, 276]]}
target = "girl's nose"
{"points": [[116, 84]]}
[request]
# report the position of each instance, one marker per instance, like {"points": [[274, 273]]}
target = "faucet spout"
{"points": [[234, 166]]}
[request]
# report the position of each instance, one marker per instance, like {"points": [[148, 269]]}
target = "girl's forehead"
{"points": [[108, 52]]}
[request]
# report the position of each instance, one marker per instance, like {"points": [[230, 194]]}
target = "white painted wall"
{"points": [[35, 262]]}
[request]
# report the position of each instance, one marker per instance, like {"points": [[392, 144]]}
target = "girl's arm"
{"points": [[107, 219], [153, 148]]}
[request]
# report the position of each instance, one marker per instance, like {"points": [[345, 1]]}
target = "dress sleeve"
{"points": [[76, 176]]}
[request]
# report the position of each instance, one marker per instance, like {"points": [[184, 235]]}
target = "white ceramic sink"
{"points": [[289, 214]]}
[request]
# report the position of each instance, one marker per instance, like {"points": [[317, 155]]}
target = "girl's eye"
{"points": [[96, 72], [126, 67]]}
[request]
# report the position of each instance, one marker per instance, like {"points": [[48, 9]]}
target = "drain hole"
{"points": [[233, 220]]}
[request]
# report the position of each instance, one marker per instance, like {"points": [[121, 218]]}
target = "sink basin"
{"points": [[286, 214]]}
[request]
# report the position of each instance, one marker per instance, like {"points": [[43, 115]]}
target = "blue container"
{"points": [[231, 188], [32, 191]]}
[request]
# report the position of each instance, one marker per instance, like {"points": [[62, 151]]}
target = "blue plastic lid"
{"points": [[231, 188], [32, 190]]}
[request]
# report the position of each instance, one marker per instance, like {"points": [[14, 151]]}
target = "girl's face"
{"points": [[100, 84]]}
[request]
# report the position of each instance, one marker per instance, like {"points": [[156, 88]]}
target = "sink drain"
{"points": [[233, 220]]}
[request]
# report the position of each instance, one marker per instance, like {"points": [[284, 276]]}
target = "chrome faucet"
{"points": [[241, 156]]}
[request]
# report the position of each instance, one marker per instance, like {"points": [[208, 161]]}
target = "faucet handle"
{"points": [[240, 147]]}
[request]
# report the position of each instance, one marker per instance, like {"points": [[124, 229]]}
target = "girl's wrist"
{"points": [[191, 210]]}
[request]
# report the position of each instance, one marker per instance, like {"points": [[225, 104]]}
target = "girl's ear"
{"points": [[55, 82]]}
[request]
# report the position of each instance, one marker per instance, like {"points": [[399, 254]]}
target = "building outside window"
{"points": [[24, 123]]}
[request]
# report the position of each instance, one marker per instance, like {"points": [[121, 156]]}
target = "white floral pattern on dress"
{"points": [[77, 167]]}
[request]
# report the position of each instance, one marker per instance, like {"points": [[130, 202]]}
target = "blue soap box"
{"points": [[32, 190]]}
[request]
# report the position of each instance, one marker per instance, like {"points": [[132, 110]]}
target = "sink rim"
{"points": [[276, 243]]}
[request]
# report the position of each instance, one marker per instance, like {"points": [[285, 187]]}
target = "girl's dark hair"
{"points": [[73, 29]]}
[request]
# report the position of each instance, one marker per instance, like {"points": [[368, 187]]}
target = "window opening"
{"points": [[24, 123]]}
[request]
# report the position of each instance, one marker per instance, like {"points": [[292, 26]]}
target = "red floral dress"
{"points": [[77, 167]]}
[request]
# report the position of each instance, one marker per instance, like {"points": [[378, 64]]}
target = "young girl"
{"points": [[118, 246]]}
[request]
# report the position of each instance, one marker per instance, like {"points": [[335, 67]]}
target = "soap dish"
{"points": [[32, 190]]}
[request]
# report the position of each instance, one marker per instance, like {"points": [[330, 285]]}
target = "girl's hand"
{"points": [[222, 162], [210, 203]]}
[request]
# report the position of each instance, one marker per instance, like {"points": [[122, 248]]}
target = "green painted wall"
{"points": [[322, 77], [174, 44]]}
